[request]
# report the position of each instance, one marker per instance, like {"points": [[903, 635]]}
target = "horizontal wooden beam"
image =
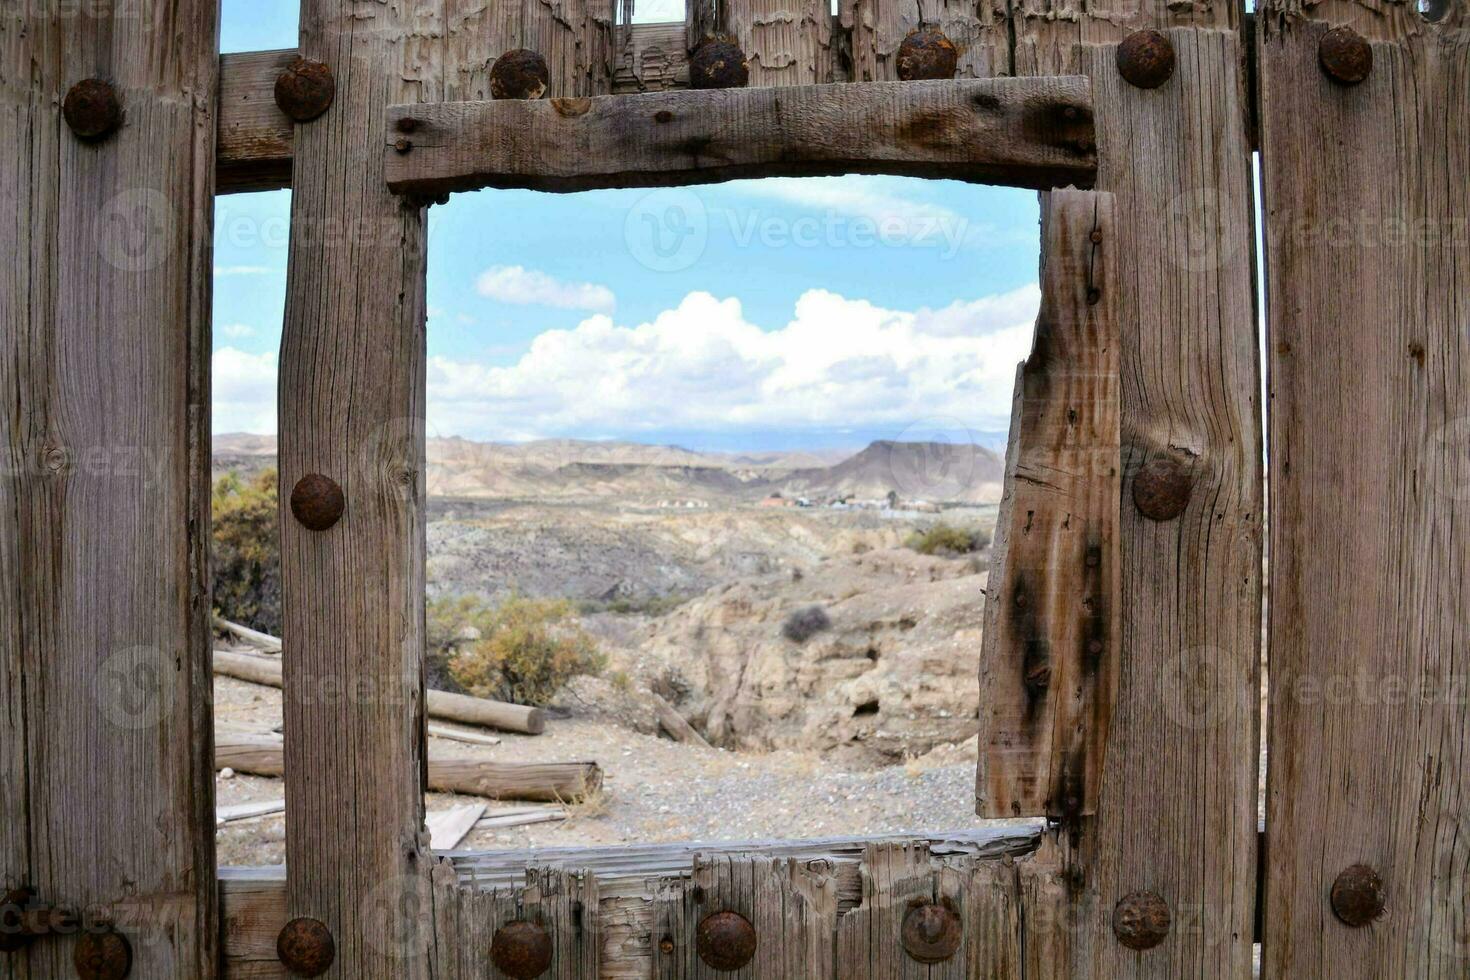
{"points": [[253, 148], [1022, 132], [633, 885]]}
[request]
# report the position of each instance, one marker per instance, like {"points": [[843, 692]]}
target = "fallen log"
{"points": [[253, 637], [548, 781], [442, 705], [674, 724]]}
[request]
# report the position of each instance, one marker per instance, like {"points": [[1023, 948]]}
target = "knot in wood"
{"points": [[519, 74], [725, 941], [102, 956], [521, 950], [1146, 59], [305, 947], [317, 502], [927, 53], [1141, 920], [931, 933], [1161, 490], [1345, 55], [718, 62], [92, 109], [305, 90], [1357, 896]]}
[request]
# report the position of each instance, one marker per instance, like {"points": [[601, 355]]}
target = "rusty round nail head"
{"points": [[519, 74], [92, 109], [1345, 55], [725, 941], [1141, 920], [102, 956], [305, 89], [926, 53], [521, 950], [305, 947], [666, 945], [931, 933], [317, 502], [1162, 488], [1146, 59], [1357, 896], [718, 62]]}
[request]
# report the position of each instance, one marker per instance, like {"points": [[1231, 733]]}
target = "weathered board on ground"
{"points": [[1050, 663], [106, 799], [1367, 194], [1177, 810], [1022, 132]]}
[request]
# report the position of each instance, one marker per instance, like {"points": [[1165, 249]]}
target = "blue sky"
{"points": [[767, 314]]}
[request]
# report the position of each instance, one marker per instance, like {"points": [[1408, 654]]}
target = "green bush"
{"points": [[526, 648], [948, 540], [246, 551]]}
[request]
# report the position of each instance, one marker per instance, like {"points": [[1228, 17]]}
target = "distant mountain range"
{"points": [[571, 470]]}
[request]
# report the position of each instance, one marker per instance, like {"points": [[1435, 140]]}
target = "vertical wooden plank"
{"points": [[106, 797], [1368, 244], [576, 37], [352, 409], [1051, 654], [1177, 814], [466, 920]]}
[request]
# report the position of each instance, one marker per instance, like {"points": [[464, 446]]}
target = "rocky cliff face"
{"points": [[893, 675]]}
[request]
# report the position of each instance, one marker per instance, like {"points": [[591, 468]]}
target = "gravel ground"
{"points": [[654, 789]]}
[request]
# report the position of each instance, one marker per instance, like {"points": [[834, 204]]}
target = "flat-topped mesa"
{"points": [[1022, 132]]}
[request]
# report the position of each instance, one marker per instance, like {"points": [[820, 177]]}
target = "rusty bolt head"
{"points": [[92, 109], [1146, 59], [1161, 489], [927, 53], [521, 950], [306, 947], [1357, 896], [666, 945], [317, 501], [1141, 920], [1345, 55], [718, 62], [305, 89], [725, 941], [931, 933], [102, 956], [519, 74]]}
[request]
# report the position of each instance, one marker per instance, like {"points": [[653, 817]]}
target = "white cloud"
{"points": [[530, 287], [244, 387], [703, 367], [236, 331]]}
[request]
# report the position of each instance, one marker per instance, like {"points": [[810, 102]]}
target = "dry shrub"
{"points": [[806, 623], [526, 650], [948, 540], [246, 551]]}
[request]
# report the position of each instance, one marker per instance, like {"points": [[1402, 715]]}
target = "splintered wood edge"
{"points": [[1033, 133]]}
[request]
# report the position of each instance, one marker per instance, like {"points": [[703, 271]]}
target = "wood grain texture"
{"points": [[576, 37], [106, 802], [1368, 249], [1025, 133], [1177, 814], [255, 136], [640, 888], [1051, 651], [352, 407], [977, 28]]}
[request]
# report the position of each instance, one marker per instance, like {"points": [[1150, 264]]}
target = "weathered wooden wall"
{"points": [[1367, 195], [106, 798]]}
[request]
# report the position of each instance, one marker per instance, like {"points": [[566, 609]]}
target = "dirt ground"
{"points": [[654, 789]]}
